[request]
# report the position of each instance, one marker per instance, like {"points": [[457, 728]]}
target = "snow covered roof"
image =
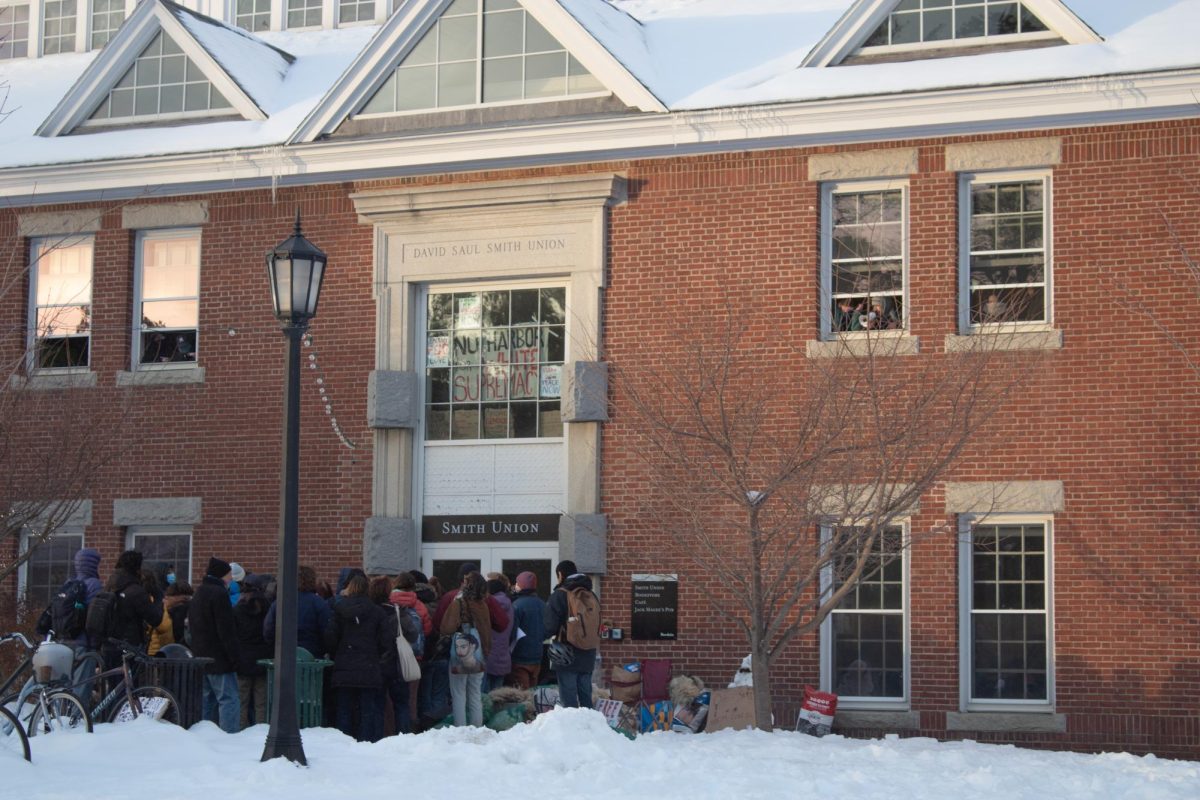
{"points": [[687, 55]]}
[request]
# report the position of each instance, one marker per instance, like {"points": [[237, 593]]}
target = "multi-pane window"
{"points": [[303, 14], [253, 15], [14, 31], [865, 270], [168, 297], [1009, 622], [924, 21], [164, 547], [493, 363], [866, 644], [50, 566], [58, 27], [107, 16], [520, 60], [163, 82], [61, 290], [1007, 266], [356, 11]]}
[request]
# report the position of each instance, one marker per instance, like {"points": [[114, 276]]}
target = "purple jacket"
{"points": [[499, 660]]}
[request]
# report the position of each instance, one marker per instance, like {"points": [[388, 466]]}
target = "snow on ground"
{"points": [[572, 753]]}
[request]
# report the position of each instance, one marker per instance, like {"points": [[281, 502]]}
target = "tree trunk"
{"points": [[760, 669]]}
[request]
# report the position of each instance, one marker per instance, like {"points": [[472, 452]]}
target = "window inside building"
{"points": [[865, 270], [1009, 625], [61, 288], [303, 14], [168, 297], [58, 27], [867, 649], [162, 83], [50, 566], [164, 547], [253, 15], [1008, 265], [107, 16], [355, 11], [482, 52], [14, 31], [917, 22], [493, 363]]}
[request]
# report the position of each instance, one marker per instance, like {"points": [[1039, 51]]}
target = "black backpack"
{"points": [[102, 616], [68, 610]]}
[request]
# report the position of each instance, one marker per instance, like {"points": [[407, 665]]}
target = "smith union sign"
{"points": [[491, 528]]}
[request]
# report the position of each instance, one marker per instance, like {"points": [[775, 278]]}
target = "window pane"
{"points": [[502, 34], [50, 566], [456, 84], [456, 38], [537, 38], [170, 267], [546, 75], [416, 88], [502, 79]]}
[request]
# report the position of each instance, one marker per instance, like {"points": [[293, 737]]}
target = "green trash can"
{"points": [[309, 696]]}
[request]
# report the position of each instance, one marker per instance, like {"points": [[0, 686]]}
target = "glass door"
{"points": [[444, 562]]}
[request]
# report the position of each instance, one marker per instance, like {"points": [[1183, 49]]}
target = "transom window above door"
{"points": [[493, 363]]}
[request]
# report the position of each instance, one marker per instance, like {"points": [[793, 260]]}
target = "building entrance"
{"points": [[444, 561]]}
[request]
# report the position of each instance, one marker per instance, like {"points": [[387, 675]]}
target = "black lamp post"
{"points": [[296, 269]]}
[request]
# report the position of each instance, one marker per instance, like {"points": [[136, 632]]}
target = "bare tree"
{"points": [[783, 478]]}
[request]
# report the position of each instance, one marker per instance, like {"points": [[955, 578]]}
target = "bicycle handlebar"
{"points": [[17, 636]]}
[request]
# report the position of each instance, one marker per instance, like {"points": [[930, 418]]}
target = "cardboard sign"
{"points": [[731, 708]]}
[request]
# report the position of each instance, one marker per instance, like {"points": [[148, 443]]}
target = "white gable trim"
{"points": [[118, 56], [409, 23], [862, 18]]}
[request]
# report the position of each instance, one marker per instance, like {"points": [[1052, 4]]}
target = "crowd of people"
{"points": [[480, 635]]}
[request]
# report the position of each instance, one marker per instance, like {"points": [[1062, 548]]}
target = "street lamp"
{"points": [[296, 269]]}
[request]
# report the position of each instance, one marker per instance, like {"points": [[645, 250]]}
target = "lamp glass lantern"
{"points": [[296, 268]]}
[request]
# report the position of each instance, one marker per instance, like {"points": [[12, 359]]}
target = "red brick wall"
{"points": [[1110, 415]]}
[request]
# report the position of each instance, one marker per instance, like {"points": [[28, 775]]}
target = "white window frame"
{"points": [[828, 190], [139, 250], [23, 572], [273, 5], [826, 630], [322, 5], [422, 321], [966, 181], [134, 531], [88, 22], [998, 40], [966, 527], [65, 240], [33, 39]]}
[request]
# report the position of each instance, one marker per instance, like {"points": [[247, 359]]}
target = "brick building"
{"points": [[506, 189]]}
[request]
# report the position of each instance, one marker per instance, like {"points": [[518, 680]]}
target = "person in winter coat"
{"points": [[312, 615], [575, 678], [405, 624], [235, 584], [214, 635], [134, 609], [529, 615], [499, 662], [361, 638], [248, 617], [87, 569], [469, 606], [433, 693], [405, 596], [162, 634], [344, 576], [176, 601]]}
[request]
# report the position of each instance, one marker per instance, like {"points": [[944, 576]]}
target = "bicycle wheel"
{"points": [[150, 701], [12, 735], [63, 713]]}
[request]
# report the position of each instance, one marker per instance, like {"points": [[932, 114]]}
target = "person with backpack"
{"points": [[360, 638], [405, 597], [122, 610], [529, 615], [177, 600], [214, 635], [573, 614], [433, 693], [67, 613], [162, 634], [499, 662], [407, 627], [468, 622], [248, 617]]}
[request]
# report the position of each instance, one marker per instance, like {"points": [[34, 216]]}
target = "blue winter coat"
{"points": [[528, 611], [312, 617]]}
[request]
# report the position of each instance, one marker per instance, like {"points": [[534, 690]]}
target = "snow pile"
{"points": [[573, 753]]}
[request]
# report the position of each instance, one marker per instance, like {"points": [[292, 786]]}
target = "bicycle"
{"points": [[124, 702], [12, 735], [44, 705]]}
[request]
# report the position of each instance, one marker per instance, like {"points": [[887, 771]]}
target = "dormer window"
{"points": [[949, 22], [14, 31], [492, 51], [163, 83]]}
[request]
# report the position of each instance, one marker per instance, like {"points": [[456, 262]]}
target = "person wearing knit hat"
{"points": [[237, 576], [528, 612], [236, 572], [214, 635]]}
